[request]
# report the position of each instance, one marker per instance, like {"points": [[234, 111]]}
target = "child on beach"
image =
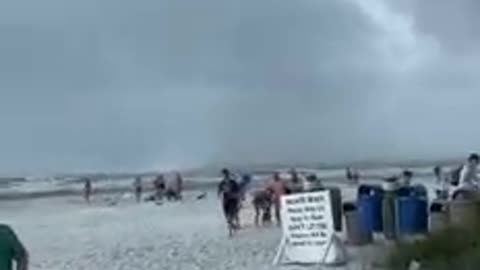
{"points": [[262, 203], [11, 249]]}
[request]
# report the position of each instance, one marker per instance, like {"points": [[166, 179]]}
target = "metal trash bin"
{"points": [[390, 186], [438, 216], [357, 233]]}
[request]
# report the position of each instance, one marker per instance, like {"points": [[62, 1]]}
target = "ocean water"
{"points": [[20, 188]]}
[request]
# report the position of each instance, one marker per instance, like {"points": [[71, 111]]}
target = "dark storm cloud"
{"points": [[137, 85]]}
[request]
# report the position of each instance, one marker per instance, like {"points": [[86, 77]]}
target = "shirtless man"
{"points": [[278, 189], [11, 249], [228, 190]]}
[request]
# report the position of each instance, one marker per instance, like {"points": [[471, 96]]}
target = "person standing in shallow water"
{"points": [[11, 249], [87, 190], [137, 185], [179, 185], [229, 191]]}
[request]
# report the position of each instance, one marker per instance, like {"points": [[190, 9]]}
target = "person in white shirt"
{"points": [[468, 175]]}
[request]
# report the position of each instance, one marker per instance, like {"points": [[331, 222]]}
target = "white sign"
{"points": [[307, 225]]}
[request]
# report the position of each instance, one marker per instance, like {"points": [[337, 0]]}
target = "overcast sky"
{"points": [[148, 84]]}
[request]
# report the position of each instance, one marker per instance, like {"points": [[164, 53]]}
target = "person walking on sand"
{"points": [[87, 189], [228, 190], [11, 249], [278, 189], [137, 185]]}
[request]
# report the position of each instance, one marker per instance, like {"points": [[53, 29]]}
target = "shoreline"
{"points": [[66, 192], [36, 189]]}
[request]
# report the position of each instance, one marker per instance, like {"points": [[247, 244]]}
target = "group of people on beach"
{"points": [[459, 181], [171, 190], [232, 194]]}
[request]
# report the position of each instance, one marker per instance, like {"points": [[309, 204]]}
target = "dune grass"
{"points": [[455, 248]]}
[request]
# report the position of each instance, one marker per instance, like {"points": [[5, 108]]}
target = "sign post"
{"points": [[308, 228]]}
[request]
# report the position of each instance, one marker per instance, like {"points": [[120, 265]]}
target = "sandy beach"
{"points": [[65, 233]]}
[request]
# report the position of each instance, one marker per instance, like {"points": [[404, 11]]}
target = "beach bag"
{"points": [[455, 176]]}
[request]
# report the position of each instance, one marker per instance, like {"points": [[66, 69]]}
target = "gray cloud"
{"points": [[119, 85]]}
